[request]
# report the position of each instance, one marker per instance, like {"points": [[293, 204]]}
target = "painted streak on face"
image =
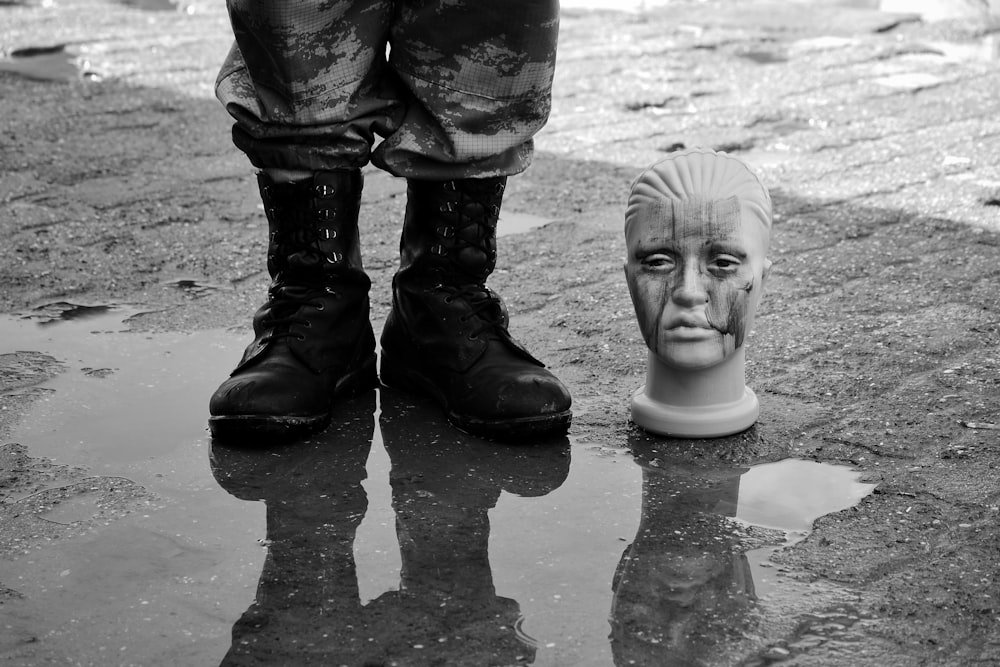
{"points": [[727, 310], [688, 249]]}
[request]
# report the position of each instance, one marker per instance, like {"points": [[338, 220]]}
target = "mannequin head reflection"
{"points": [[697, 230]]}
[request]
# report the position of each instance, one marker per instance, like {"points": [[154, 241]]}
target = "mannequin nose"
{"points": [[690, 290]]}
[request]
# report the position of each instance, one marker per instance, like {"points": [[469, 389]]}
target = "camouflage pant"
{"points": [[464, 87]]}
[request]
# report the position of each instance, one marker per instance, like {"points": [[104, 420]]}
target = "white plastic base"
{"points": [[698, 421]]}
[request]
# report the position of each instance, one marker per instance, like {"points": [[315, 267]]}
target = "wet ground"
{"points": [[389, 535], [855, 524]]}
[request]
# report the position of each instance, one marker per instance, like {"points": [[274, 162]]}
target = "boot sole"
{"points": [[263, 429], [541, 426]]}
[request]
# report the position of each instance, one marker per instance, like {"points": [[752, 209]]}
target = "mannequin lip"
{"points": [[682, 332], [683, 321], [687, 326]]}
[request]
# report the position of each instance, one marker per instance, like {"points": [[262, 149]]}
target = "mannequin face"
{"points": [[695, 269]]}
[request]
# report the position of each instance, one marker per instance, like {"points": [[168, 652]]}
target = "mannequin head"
{"points": [[697, 230]]}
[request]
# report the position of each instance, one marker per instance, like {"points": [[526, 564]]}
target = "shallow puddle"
{"points": [[390, 537], [789, 496], [193, 287], [518, 223], [43, 64], [764, 57], [151, 5], [987, 48]]}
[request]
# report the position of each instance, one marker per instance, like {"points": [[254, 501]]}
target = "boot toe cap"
{"points": [[535, 395], [525, 396], [258, 396]]}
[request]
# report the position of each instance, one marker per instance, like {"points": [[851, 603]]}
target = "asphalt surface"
{"points": [[877, 133]]}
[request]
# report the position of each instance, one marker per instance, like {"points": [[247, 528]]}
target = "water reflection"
{"points": [[690, 589], [445, 609], [683, 587], [686, 587], [526, 575]]}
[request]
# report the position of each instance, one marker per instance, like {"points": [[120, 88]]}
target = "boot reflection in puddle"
{"points": [[308, 609], [683, 588], [308, 597], [443, 485]]}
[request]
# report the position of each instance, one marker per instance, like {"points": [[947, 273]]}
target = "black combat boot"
{"points": [[314, 342], [446, 336]]}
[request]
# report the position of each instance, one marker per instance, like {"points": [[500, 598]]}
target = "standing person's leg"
{"points": [[307, 84], [478, 78]]}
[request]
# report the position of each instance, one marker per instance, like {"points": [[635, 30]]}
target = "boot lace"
{"points": [[286, 303], [485, 307], [300, 248], [471, 224]]}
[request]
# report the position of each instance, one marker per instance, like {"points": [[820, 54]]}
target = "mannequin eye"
{"points": [[724, 264], [658, 261]]}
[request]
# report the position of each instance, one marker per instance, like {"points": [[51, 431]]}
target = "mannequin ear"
{"points": [[765, 273]]}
